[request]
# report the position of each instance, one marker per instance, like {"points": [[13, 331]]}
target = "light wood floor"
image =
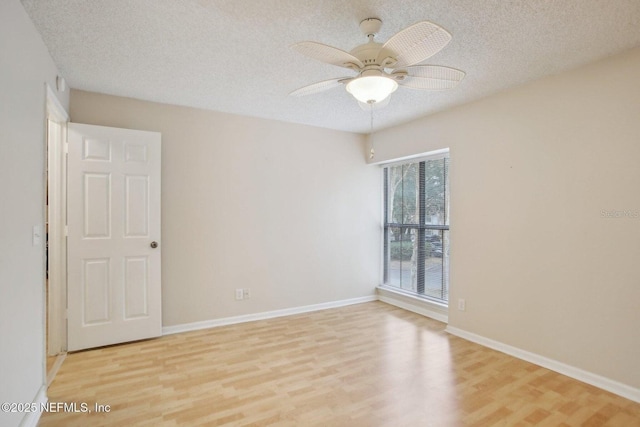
{"points": [[363, 365]]}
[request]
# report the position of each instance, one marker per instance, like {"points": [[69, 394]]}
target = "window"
{"points": [[416, 227]]}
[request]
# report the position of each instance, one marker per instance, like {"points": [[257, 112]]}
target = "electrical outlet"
{"points": [[246, 293], [462, 304], [239, 294]]}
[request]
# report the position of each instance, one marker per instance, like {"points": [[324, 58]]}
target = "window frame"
{"points": [[421, 227]]}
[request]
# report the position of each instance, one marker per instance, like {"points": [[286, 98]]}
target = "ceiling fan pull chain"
{"points": [[372, 153]]}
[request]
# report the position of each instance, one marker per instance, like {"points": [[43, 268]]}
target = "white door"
{"points": [[113, 214]]}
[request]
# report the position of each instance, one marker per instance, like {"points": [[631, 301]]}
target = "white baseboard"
{"points": [[419, 307], [186, 327], [31, 418], [604, 383]]}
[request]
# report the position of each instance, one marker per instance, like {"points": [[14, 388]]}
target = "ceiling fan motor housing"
{"points": [[367, 53]]}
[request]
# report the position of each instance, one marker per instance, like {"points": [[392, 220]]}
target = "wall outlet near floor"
{"points": [[246, 293], [239, 294], [462, 304]]}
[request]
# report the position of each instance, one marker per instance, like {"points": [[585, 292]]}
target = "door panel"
{"points": [[114, 292], [135, 287], [97, 205], [136, 217], [95, 285]]}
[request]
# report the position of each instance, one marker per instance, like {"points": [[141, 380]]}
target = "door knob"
{"points": [[154, 245]]}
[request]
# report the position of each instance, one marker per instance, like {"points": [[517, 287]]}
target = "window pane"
{"points": [[437, 264], [403, 194], [402, 258], [445, 264], [409, 267], [436, 211], [394, 256], [446, 192]]}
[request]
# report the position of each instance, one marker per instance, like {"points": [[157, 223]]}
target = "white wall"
{"points": [[532, 169], [25, 66], [290, 211]]}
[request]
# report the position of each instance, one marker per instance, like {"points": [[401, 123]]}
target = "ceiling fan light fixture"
{"points": [[370, 89]]}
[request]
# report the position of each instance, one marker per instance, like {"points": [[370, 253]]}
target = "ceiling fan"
{"points": [[381, 68]]}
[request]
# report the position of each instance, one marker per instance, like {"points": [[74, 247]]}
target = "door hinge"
{"points": [[66, 147], [66, 313], [66, 231]]}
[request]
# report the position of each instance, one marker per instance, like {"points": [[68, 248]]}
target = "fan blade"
{"points": [[376, 105], [414, 44], [320, 86], [431, 77], [328, 54]]}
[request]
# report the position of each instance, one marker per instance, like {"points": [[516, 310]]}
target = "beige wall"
{"points": [[25, 66], [532, 169], [289, 211]]}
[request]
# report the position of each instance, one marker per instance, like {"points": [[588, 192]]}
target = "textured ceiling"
{"points": [[234, 55]]}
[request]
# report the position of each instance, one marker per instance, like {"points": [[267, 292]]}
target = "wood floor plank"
{"points": [[364, 365]]}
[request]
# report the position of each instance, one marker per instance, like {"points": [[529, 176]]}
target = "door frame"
{"points": [[56, 303]]}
